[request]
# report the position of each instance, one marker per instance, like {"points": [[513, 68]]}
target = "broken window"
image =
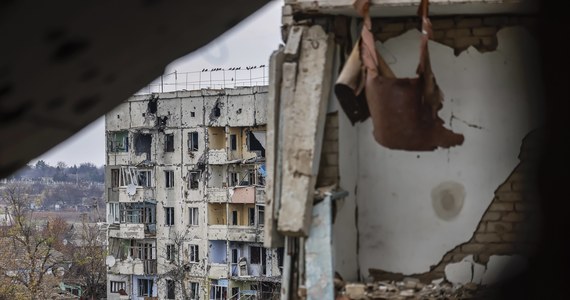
{"points": [[194, 290], [115, 178], [170, 252], [193, 141], [114, 212], [145, 287], [144, 178], [143, 144], [116, 286], [193, 178], [193, 216], [169, 178], [118, 141], [256, 142], [233, 179], [234, 217], [251, 177], [233, 142], [169, 216], [235, 256], [170, 289], [193, 253], [218, 292], [192, 114], [254, 255], [260, 215], [251, 211], [169, 142]]}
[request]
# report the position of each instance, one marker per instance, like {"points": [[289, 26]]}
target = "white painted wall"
{"points": [[399, 230]]}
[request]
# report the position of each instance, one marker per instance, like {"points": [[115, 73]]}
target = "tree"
{"points": [[87, 253], [178, 267], [31, 251]]}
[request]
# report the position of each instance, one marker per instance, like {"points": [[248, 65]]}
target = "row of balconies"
{"points": [[244, 194]]}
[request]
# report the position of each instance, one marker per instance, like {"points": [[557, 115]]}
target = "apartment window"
{"points": [[144, 178], [193, 211], [235, 257], [193, 178], [233, 142], [251, 177], [116, 286], [218, 292], [260, 215], [193, 141], [251, 216], [234, 217], [114, 213], [193, 253], [118, 141], [145, 287], [170, 289], [115, 178], [169, 178], [234, 179], [170, 252], [169, 142], [194, 290], [254, 255], [169, 212], [235, 293]]}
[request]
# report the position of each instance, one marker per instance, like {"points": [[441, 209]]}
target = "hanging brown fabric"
{"points": [[403, 110]]}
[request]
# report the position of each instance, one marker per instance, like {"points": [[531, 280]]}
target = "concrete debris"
{"points": [[409, 288]]}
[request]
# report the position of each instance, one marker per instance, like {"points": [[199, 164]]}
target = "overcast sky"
{"points": [[250, 43]]}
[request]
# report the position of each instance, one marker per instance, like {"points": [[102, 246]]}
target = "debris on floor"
{"points": [[409, 288]]}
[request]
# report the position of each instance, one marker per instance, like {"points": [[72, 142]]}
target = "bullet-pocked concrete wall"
{"points": [[493, 97]]}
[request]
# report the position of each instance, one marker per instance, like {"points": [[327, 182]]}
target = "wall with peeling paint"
{"points": [[413, 207]]}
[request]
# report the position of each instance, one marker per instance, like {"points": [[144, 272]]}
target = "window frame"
{"points": [[193, 141], [193, 253], [193, 216], [169, 179], [169, 216], [115, 286], [169, 142]]}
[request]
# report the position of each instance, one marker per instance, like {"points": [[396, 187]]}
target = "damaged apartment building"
{"points": [[185, 197]]}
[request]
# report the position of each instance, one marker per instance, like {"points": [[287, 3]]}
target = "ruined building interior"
{"points": [[470, 214]]}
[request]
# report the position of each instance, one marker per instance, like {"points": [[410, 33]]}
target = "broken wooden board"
{"points": [[319, 267], [272, 238], [303, 126]]}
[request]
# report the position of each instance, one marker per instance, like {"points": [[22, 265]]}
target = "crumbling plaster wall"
{"points": [[492, 98]]}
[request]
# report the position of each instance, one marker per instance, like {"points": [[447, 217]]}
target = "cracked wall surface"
{"points": [[492, 98]]}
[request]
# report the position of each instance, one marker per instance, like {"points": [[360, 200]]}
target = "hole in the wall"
{"points": [[192, 114], [152, 106], [70, 49]]}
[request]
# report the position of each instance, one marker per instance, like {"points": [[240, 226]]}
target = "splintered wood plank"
{"points": [[272, 238], [303, 126]]}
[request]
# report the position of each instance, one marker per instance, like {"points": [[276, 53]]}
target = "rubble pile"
{"points": [[409, 288]]}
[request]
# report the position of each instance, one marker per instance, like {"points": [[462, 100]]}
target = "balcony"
{"points": [[130, 266], [128, 231], [139, 194], [235, 233], [217, 194], [218, 271], [217, 156]]}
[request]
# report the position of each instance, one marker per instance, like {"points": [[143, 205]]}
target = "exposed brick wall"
{"points": [[457, 32], [328, 167], [509, 226]]}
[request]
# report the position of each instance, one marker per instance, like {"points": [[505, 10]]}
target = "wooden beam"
{"points": [[303, 126]]}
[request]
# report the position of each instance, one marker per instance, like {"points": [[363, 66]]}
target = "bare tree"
{"points": [[177, 269], [87, 255], [31, 251]]}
